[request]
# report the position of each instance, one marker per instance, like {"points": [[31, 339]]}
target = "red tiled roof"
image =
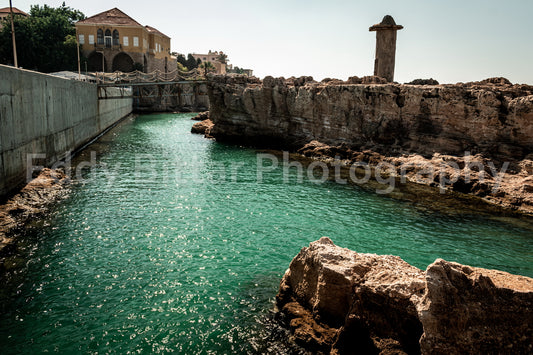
{"points": [[5, 10], [155, 30], [111, 17]]}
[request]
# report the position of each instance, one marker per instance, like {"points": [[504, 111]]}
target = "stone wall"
{"points": [[491, 117], [44, 114], [185, 97]]}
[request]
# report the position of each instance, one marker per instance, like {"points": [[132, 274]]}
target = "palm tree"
{"points": [[222, 58], [208, 67]]}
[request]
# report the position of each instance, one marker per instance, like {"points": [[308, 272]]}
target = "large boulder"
{"points": [[337, 301], [363, 302]]}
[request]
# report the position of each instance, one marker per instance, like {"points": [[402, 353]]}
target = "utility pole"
{"points": [[78, 50], [13, 36]]}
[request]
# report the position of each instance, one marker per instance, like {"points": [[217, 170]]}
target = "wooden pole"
{"points": [[13, 36]]}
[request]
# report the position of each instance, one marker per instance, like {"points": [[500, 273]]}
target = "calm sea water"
{"points": [[170, 244]]}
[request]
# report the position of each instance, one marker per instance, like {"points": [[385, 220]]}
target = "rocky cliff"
{"points": [[366, 120], [338, 301], [491, 117]]}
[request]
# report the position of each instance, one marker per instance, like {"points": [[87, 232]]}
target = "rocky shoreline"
{"points": [[28, 204], [468, 138], [508, 186], [337, 301]]}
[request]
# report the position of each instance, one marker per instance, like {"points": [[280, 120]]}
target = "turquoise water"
{"points": [[185, 253]]}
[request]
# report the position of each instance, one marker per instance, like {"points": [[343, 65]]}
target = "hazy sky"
{"points": [[450, 40]]}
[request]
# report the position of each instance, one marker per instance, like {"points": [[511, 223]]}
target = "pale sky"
{"points": [[451, 41]]}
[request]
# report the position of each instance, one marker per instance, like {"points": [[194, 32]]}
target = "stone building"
{"points": [[213, 57], [112, 40], [4, 14]]}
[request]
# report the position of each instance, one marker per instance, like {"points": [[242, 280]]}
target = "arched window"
{"points": [[100, 36], [115, 38], [108, 38]]}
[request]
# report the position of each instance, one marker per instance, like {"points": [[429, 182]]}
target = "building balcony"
{"points": [[101, 47]]}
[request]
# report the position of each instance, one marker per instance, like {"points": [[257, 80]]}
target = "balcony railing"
{"points": [[102, 46]]}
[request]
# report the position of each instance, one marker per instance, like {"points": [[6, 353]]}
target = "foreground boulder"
{"points": [[337, 301]]}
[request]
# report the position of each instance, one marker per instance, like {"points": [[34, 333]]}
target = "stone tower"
{"points": [[385, 47]]}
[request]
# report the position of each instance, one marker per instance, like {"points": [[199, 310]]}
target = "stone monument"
{"points": [[385, 47]]}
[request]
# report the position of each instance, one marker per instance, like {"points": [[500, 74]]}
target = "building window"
{"points": [[125, 41], [115, 38], [82, 39], [108, 38], [136, 41], [91, 39], [99, 36]]}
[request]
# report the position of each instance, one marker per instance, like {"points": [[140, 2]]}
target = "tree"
{"points": [[238, 70], [222, 58], [182, 60], [182, 67], [207, 67], [46, 40], [191, 63]]}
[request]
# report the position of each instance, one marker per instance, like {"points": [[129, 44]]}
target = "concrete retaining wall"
{"points": [[43, 114]]}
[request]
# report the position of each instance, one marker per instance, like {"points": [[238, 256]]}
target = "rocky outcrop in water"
{"points": [[337, 301], [502, 184], [437, 125], [201, 116], [202, 127]]}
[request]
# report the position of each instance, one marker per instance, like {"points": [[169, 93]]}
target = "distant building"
{"points": [[4, 14], [112, 40], [213, 57], [237, 70]]}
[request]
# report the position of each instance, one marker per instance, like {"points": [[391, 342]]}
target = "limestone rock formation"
{"points": [[351, 300], [337, 301], [201, 116], [490, 117], [202, 127], [429, 81], [491, 120], [468, 310]]}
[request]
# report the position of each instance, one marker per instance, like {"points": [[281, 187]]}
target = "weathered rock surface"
{"points": [[468, 310], [504, 184], [201, 116], [202, 127], [491, 120], [490, 117], [342, 302], [31, 201]]}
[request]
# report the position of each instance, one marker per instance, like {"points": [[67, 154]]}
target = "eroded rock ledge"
{"points": [[32, 201], [366, 120], [338, 301]]}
